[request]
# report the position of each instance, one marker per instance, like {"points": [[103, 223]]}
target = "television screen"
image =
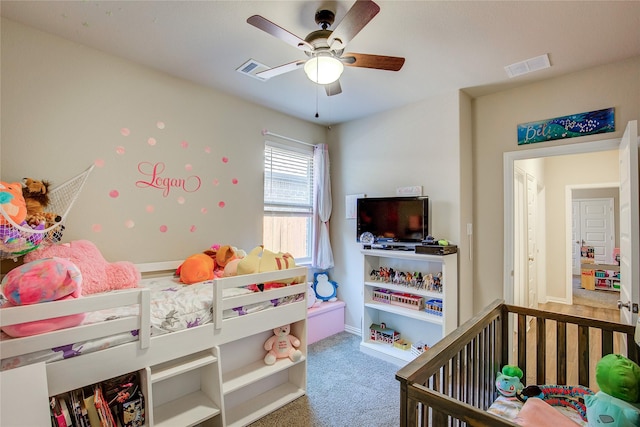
{"points": [[394, 219]]}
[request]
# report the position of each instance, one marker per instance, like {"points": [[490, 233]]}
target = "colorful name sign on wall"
{"points": [[589, 123]]}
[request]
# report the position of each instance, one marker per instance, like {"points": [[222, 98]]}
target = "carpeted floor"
{"points": [[345, 387], [594, 298]]}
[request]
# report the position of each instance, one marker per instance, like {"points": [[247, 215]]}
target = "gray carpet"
{"points": [[345, 387]]}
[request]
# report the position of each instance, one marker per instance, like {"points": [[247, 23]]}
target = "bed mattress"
{"points": [[174, 307]]}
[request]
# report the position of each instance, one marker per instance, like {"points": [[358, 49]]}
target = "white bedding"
{"points": [[174, 307]]}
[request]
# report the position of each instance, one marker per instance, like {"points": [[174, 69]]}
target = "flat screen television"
{"points": [[394, 219]]}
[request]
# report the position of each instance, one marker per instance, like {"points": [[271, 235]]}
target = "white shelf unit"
{"points": [[252, 389], [184, 391], [413, 325]]}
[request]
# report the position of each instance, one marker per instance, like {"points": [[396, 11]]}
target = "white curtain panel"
{"points": [[322, 255]]}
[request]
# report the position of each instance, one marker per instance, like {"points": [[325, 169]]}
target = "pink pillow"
{"points": [[43, 280], [45, 325], [536, 412]]}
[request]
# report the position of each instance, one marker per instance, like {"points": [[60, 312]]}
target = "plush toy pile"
{"points": [[228, 261]]}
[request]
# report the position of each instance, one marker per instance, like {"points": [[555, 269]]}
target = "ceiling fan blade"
{"points": [[275, 30], [333, 88], [281, 69], [380, 62], [355, 20]]}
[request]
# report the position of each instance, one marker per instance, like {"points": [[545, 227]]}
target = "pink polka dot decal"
{"points": [[203, 210], [163, 228], [188, 167], [221, 204], [181, 200], [160, 125], [96, 228], [184, 144], [120, 150], [125, 132], [149, 209], [152, 141], [129, 223], [192, 229], [99, 163], [207, 150], [215, 182], [114, 194], [234, 181], [225, 160]]}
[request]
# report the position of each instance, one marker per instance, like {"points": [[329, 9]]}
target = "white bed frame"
{"points": [[213, 373]]}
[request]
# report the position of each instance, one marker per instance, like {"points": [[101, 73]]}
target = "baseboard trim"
{"points": [[352, 330]]}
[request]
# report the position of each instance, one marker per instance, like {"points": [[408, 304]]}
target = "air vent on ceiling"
{"points": [[528, 66], [251, 67]]}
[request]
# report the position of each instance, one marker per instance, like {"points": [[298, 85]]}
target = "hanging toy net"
{"points": [[19, 239]]}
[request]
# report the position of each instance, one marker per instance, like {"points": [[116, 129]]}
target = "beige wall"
{"points": [[63, 108], [416, 145], [495, 119]]}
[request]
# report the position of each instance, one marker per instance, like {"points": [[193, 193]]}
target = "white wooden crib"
{"points": [[212, 373]]}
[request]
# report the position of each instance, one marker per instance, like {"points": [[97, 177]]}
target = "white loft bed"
{"points": [[226, 354]]}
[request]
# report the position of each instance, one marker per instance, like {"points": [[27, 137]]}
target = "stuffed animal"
{"points": [[196, 268], [12, 202], [558, 395], [259, 260], [43, 280], [282, 345], [325, 289], [508, 381], [36, 196], [615, 404], [98, 275]]}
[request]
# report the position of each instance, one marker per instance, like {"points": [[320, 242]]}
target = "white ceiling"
{"points": [[448, 45]]}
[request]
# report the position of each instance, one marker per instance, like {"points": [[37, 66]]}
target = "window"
{"points": [[288, 200]]}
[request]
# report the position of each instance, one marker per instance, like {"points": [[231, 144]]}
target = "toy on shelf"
{"points": [[282, 345], [380, 333], [17, 237], [418, 280], [434, 306]]}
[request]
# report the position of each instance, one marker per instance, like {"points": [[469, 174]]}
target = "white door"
{"points": [[532, 256], [629, 227], [576, 238], [520, 239], [596, 227]]}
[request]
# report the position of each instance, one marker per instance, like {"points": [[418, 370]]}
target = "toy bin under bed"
{"points": [[454, 382]]}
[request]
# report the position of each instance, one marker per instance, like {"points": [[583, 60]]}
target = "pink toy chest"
{"points": [[325, 320]]}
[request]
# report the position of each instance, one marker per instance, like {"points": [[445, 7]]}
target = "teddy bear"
{"points": [[281, 345], [36, 196]]}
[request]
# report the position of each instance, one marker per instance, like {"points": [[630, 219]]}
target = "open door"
{"points": [[629, 226]]}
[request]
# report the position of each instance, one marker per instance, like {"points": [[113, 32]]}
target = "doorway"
{"points": [[555, 278]]}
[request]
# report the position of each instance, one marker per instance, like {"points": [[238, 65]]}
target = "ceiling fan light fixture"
{"points": [[323, 69]]}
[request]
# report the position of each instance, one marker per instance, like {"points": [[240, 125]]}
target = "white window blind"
{"points": [[288, 199]]}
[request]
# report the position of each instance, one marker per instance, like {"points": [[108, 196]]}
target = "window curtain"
{"points": [[322, 255]]}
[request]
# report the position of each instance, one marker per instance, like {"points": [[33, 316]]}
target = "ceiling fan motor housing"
{"points": [[325, 18]]}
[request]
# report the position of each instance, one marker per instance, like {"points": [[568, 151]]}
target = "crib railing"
{"points": [[453, 383]]}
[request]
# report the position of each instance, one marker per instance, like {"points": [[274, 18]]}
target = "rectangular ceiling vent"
{"points": [[528, 66], [251, 67]]}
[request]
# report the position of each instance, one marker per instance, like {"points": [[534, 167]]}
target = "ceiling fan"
{"points": [[325, 47]]}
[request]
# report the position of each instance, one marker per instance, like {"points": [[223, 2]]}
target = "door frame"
{"points": [[508, 182], [568, 191]]}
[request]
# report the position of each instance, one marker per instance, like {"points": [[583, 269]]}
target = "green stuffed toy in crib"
{"points": [[617, 403]]}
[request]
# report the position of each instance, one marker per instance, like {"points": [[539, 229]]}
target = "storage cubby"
{"points": [[252, 389], [419, 311], [185, 391]]}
